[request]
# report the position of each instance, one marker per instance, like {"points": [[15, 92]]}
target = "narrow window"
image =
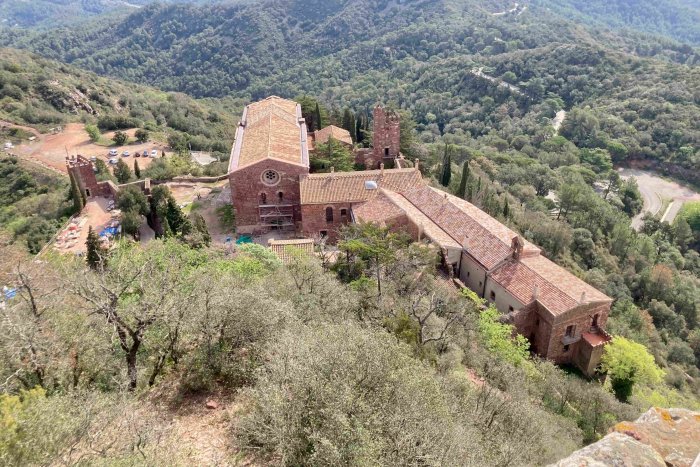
{"points": [[595, 321], [343, 213], [263, 198], [280, 196], [537, 321], [510, 308], [566, 348], [329, 214], [87, 192], [570, 331], [324, 233], [493, 296], [386, 151], [469, 273]]}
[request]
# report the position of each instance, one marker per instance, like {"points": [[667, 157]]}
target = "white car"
{"points": [[154, 153], [125, 154], [113, 152], [113, 161]]}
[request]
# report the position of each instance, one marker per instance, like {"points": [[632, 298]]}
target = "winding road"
{"points": [[655, 191]]}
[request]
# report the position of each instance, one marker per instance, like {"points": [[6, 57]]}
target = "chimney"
{"points": [[381, 167], [583, 297], [417, 164], [420, 231], [536, 292], [517, 245], [332, 169]]}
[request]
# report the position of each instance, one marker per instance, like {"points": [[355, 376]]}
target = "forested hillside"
{"points": [[43, 93], [423, 56], [677, 19]]}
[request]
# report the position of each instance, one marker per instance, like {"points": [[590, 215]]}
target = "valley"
{"points": [[375, 232]]}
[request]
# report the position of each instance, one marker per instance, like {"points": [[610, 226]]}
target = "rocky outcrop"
{"points": [[660, 437]]}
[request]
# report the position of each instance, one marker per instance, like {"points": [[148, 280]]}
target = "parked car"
{"points": [[113, 152], [125, 154], [112, 161], [154, 153], [138, 154]]}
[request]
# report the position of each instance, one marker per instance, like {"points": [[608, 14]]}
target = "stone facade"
{"points": [[260, 203], [386, 137], [325, 219], [83, 171]]}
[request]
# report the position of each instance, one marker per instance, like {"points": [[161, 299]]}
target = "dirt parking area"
{"points": [[659, 193], [50, 150]]}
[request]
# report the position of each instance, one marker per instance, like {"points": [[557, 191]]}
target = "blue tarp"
{"points": [[109, 231]]}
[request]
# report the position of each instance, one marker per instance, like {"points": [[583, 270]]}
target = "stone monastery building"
{"points": [[271, 187]]}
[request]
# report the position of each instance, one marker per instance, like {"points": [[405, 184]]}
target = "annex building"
{"points": [[271, 188]]}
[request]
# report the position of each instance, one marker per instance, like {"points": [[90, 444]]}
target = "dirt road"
{"points": [[656, 191]]}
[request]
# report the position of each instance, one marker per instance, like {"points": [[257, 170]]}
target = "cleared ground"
{"points": [[657, 191], [50, 150]]}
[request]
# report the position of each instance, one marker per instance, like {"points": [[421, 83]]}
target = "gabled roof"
{"points": [[270, 129], [487, 240], [332, 131], [351, 187], [537, 278]]}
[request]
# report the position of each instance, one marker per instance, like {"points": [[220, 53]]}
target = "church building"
{"points": [[271, 188]]}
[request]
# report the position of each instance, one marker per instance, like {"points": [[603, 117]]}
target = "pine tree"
{"points": [[122, 172], [93, 257], [446, 168], [465, 179], [506, 209], [317, 123], [78, 202], [137, 170]]}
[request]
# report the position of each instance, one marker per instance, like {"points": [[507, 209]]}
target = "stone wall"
{"points": [[386, 137], [247, 189], [581, 319], [314, 220]]}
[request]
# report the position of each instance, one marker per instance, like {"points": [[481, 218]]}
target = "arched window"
{"points": [[263, 198], [329, 214]]}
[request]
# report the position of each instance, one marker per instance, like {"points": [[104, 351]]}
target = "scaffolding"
{"points": [[277, 216]]}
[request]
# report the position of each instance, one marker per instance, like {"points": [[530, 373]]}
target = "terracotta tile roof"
{"points": [[270, 128], [341, 134], [429, 228], [483, 236], [379, 210], [557, 289], [285, 249], [350, 187]]}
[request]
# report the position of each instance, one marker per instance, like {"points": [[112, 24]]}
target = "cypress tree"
{"points": [[359, 137], [318, 124], [446, 168], [137, 170], [78, 200], [470, 191], [92, 244], [506, 209], [465, 178]]}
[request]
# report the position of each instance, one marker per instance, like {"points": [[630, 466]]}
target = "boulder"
{"points": [[660, 437]]}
